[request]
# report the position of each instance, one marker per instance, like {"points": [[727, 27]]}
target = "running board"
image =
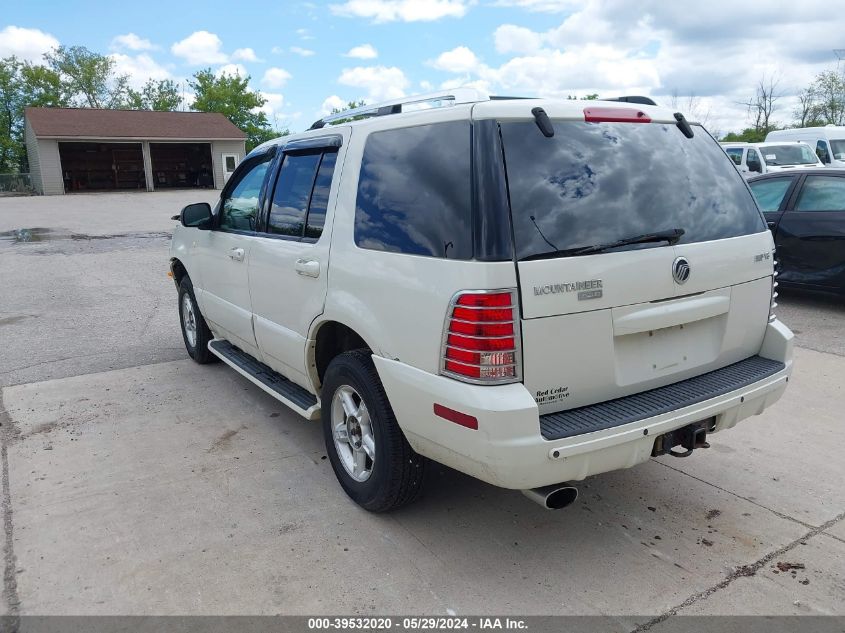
{"points": [[271, 381]]}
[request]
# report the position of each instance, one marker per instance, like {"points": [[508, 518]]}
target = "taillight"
{"points": [[774, 303], [615, 115], [481, 338]]}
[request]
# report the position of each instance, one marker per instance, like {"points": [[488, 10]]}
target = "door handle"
{"points": [[307, 267], [237, 254]]}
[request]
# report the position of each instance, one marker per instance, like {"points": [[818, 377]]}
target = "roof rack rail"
{"points": [[439, 99], [633, 99]]}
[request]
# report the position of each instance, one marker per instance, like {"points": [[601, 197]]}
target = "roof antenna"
{"points": [[543, 122]]}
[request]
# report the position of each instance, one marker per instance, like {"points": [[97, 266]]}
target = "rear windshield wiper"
{"points": [[671, 237]]}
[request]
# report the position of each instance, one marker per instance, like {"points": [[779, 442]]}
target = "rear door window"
{"points": [[292, 193], [414, 191], [770, 192], [301, 195], [822, 193], [597, 183]]}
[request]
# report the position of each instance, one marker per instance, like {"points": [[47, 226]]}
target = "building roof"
{"points": [[90, 123]]}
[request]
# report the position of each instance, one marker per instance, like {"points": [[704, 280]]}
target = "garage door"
{"points": [[181, 165], [102, 166]]}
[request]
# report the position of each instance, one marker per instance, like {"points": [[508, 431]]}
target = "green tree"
{"points": [[829, 103], [22, 84], [163, 95], [231, 96], [89, 77], [748, 135]]}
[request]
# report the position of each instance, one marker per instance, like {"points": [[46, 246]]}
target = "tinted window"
{"points": [[414, 191], [736, 154], [320, 196], [770, 193], [290, 198], [240, 207], [838, 149], [822, 193], [595, 183]]}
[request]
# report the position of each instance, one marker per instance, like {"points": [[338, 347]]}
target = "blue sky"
{"points": [[307, 56]]}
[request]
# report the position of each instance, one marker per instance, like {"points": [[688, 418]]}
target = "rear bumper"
{"points": [[508, 449]]}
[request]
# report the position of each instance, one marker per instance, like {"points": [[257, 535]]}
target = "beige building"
{"points": [[85, 149]]}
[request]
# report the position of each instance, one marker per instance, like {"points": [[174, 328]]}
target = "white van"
{"points": [[746, 158], [829, 142]]}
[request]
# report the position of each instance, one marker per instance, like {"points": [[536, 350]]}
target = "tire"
{"points": [[196, 340], [396, 472]]}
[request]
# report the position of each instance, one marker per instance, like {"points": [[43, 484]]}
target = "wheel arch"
{"points": [[328, 339]]}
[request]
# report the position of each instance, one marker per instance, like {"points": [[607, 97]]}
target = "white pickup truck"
{"points": [[528, 291]]}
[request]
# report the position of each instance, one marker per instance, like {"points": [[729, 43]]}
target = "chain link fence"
{"points": [[16, 184]]}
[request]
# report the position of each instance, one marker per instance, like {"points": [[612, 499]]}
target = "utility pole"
{"points": [[840, 55]]}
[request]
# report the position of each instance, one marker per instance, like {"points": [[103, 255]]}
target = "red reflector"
{"points": [[481, 344], [455, 416], [482, 329], [492, 300], [615, 115], [474, 314]]}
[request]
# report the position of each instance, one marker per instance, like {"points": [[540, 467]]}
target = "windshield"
{"points": [[837, 146], [789, 155], [597, 183]]}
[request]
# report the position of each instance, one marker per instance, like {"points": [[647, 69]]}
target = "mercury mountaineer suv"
{"points": [[528, 291]]}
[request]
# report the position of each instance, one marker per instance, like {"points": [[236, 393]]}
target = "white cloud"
{"points": [[273, 104], [426, 86], [245, 55], [28, 44], [232, 70], [302, 52], [380, 82], [364, 51], [304, 34], [131, 42], [545, 6], [275, 77], [458, 60], [402, 10], [331, 103], [200, 48], [140, 68], [516, 39]]}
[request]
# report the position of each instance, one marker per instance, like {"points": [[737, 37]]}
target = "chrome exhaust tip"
{"points": [[553, 497]]}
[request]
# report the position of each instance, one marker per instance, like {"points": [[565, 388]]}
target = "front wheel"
{"points": [[370, 456], [195, 332]]}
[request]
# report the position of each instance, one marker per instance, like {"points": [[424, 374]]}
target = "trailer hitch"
{"points": [[689, 437]]}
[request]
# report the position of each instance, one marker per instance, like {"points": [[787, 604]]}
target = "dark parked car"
{"points": [[806, 213]]}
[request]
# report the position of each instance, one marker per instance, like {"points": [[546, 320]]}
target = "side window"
{"points": [[293, 190], [736, 154], [822, 193], [240, 207], [414, 191], [770, 193], [821, 152], [301, 195], [320, 196], [753, 161]]}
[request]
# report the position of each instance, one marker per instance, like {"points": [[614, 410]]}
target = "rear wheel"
{"points": [[195, 332], [370, 456]]}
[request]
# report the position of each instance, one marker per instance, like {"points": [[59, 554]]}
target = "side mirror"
{"points": [[755, 166], [197, 215]]}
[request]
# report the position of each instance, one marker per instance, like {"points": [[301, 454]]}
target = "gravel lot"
{"points": [[136, 482]]}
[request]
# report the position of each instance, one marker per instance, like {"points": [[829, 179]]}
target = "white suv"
{"points": [[528, 291]]}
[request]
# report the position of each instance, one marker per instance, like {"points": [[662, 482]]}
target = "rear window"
{"points": [[596, 183], [414, 191]]}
